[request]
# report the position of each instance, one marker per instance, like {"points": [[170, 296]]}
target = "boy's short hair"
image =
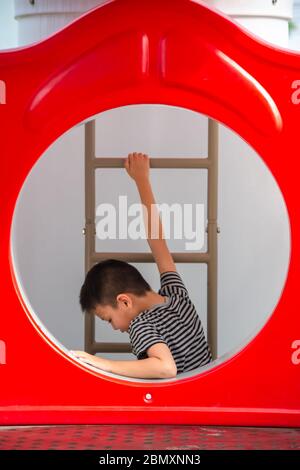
{"points": [[108, 278]]}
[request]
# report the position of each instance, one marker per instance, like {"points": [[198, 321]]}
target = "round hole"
{"points": [[48, 252]]}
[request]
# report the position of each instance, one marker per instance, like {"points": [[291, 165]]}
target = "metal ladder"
{"points": [[92, 163]]}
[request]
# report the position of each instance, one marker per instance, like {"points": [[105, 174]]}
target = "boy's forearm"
{"points": [[147, 198], [149, 368]]}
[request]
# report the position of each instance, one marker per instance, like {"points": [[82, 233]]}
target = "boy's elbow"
{"points": [[169, 371]]}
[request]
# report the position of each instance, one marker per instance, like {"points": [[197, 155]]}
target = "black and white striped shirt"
{"points": [[175, 323]]}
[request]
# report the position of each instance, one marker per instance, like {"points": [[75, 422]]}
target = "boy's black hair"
{"points": [[108, 278]]}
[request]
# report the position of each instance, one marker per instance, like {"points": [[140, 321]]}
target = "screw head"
{"points": [[148, 398]]}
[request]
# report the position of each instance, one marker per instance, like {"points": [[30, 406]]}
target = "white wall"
{"points": [[294, 42], [8, 25], [46, 17], [253, 243]]}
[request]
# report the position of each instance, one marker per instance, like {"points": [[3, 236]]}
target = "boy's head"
{"points": [[109, 291]]}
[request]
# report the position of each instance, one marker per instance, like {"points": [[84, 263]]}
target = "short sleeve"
{"points": [[172, 283], [144, 334]]}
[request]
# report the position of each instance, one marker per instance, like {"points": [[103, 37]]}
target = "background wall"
{"points": [[294, 39], [47, 228], [8, 25]]}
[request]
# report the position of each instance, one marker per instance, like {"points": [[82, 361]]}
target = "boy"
{"points": [[165, 330]]}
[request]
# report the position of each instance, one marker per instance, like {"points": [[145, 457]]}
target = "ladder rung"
{"points": [[112, 162], [148, 257]]}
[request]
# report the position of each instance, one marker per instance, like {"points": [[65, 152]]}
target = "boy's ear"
{"points": [[123, 299]]}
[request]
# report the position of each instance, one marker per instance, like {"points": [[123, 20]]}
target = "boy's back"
{"points": [[175, 323]]}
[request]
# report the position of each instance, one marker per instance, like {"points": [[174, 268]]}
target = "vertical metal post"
{"points": [[89, 127], [212, 231]]}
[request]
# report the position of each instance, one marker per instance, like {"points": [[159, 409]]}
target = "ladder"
{"points": [[92, 163]]}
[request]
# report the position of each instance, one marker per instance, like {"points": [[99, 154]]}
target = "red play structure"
{"points": [[173, 52]]}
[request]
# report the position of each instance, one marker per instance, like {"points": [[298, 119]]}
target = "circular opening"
{"points": [[48, 244]]}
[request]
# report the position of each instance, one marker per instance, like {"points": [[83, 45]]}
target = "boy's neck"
{"points": [[148, 301]]}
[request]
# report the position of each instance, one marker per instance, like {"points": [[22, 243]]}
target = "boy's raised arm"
{"points": [[137, 166]]}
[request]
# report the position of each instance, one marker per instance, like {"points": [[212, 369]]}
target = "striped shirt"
{"points": [[174, 322]]}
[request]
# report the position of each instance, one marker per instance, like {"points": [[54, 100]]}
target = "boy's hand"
{"points": [[137, 166], [99, 362]]}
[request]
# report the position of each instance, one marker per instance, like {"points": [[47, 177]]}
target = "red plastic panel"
{"points": [[97, 72], [180, 53], [208, 71]]}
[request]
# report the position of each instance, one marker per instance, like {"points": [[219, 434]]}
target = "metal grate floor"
{"points": [[143, 437]]}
